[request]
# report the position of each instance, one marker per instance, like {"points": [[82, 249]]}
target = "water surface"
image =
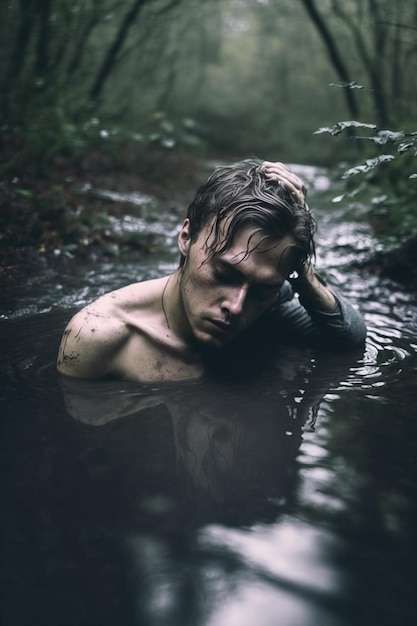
{"points": [[288, 498]]}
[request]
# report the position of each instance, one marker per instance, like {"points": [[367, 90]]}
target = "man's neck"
{"points": [[174, 313]]}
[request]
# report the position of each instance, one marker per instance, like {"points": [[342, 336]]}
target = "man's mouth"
{"points": [[223, 327]]}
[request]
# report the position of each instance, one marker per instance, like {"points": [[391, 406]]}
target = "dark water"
{"points": [[286, 499]]}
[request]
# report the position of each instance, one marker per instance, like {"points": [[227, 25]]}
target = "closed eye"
{"points": [[229, 275], [226, 276], [264, 292]]}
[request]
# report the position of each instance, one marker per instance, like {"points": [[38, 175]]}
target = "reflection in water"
{"points": [[227, 435], [203, 457], [213, 502]]}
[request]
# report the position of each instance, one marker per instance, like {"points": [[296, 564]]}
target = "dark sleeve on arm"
{"points": [[342, 328]]}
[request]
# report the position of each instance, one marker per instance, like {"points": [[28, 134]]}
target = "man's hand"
{"points": [[282, 175], [312, 291], [309, 287]]}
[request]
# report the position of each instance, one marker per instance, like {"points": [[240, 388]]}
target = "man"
{"points": [[247, 231]]}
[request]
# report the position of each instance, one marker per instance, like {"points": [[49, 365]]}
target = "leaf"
{"points": [[350, 194], [168, 142], [390, 135], [369, 165], [24, 192], [384, 136], [167, 126], [406, 145], [345, 85], [339, 127]]}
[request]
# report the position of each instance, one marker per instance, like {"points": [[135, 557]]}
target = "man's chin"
{"points": [[212, 342]]}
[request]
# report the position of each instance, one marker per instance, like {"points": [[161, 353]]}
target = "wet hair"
{"points": [[238, 196]]}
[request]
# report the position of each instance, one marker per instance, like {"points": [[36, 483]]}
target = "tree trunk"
{"points": [[335, 58], [111, 55], [24, 32], [42, 45]]}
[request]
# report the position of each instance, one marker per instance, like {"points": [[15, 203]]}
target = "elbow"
{"points": [[355, 336]]}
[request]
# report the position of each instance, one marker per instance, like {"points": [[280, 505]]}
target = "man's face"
{"points": [[223, 295]]}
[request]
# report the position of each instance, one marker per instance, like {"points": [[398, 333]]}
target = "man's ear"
{"points": [[184, 239]]}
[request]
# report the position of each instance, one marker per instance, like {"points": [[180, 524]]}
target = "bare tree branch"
{"points": [[112, 53], [335, 57]]}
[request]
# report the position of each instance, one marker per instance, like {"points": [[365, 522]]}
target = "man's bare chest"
{"points": [[148, 360]]}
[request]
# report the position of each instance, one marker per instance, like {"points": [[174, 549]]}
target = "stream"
{"points": [[289, 499]]}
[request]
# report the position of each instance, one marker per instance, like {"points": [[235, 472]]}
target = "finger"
{"points": [[295, 191], [275, 171], [282, 175]]}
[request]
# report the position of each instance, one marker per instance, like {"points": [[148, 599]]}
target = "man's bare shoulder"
{"points": [[132, 298], [98, 332]]}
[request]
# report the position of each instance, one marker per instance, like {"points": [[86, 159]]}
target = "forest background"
{"points": [[142, 94]]}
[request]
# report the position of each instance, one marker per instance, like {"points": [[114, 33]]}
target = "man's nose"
{"points": [[235, 301]]}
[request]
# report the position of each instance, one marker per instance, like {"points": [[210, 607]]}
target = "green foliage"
{"points": [[369, 166], [395, 178], [238, 68], [127, 148], [51, 131], [339, 127], [388, 182], [127, 82]]}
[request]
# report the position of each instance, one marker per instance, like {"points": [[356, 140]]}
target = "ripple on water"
{"points": [[388, 356], [390, 311]]}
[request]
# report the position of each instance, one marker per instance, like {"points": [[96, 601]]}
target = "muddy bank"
{"points": [[66, 212]]}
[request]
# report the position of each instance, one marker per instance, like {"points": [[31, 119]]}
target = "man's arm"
{"points": [[310, 319], [313, 292], [90, 344], [318, 315]]}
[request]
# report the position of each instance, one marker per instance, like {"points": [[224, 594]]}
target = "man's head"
{"points": [[243, 237], [239, 196]]}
